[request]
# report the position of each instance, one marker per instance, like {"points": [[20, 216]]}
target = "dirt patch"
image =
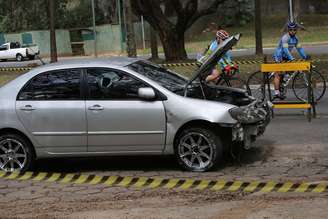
{"points": [[182, 205]]}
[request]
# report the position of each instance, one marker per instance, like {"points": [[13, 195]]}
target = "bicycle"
{"points": [[228, 79], [232, 80], [299, 85]]}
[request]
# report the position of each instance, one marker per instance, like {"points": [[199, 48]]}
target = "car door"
{"points": [[4, 52], [118, 120], [52, 109], [13, 51]]}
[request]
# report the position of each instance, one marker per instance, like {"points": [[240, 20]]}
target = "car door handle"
{"points": [[96, 108], [27, 108]]}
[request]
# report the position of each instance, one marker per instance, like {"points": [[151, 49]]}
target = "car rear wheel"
{"points": [[15, 153], [19, 58], [198, 149]]}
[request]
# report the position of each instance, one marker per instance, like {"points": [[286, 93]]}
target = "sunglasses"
{"points": [[292, 30], [223, 39]]}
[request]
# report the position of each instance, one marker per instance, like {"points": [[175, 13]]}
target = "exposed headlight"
{"points": [[247, 115]]}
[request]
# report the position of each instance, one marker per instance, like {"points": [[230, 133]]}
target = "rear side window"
{"points": [[56, 85]]}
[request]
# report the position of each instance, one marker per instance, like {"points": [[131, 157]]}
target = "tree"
{"points": [[22, 15], [53, 46], [171, 30], [153, 44], [258, 28], [297, 8], [130, 37]]}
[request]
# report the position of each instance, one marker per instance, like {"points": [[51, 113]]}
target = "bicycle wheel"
{"points": [[234, 82], [255, 84], [300, 86]]}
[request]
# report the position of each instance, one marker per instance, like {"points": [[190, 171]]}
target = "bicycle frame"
{"points": [[224, 77], [283, 83]]}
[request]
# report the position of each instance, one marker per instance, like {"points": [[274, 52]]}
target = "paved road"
{"points": [[314, 50], [291, 149]]}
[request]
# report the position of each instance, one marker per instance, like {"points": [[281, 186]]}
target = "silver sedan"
{"points": [[121, 106]]}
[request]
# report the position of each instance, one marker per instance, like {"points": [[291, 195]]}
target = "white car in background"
{"points": [[14, 50]]}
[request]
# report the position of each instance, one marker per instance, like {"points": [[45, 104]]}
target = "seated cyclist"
{"points": [[287, 43], [225, 64]]}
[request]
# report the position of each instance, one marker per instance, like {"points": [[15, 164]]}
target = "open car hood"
{"points": [[215, 56]]}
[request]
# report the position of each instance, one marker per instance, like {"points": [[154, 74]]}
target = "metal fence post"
{"points": [[309, 94], [94, 27]]}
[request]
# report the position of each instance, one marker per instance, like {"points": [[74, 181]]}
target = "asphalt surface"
{"points": [[312, 50], [291, 149]]}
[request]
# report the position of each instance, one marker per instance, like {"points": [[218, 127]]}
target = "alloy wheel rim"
{"points": [[195, 150], [13, 156]]}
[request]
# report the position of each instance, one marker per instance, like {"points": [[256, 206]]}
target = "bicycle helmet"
{"points": [[292, 25], [222, 34]]}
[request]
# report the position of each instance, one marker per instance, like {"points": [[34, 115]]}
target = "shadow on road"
{"points": [[145, 163]]}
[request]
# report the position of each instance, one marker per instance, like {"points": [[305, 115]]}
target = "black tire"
{"points": [[31, 57], [24, 148], [300, 86], [255, 84], [211, 145], [19, 57]]}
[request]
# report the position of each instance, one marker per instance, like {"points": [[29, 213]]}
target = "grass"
{"points": [[247, 69], [317, 32], [8, 76]]}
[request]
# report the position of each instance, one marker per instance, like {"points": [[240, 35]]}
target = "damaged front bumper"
{"points": [[252, 122]]}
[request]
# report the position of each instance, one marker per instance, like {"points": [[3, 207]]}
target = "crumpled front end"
{"points": [[252, 121]]}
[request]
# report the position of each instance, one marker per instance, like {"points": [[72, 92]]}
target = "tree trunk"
{"points": [[171, 31], [130, 36], [174, 45], [53, 46], [153, 44], [258, 28], [297, 8]]}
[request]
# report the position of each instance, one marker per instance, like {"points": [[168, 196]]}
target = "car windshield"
{"points": [[166, 78]]}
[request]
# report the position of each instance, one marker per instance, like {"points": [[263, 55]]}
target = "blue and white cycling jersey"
{"points": [[286, 44]]}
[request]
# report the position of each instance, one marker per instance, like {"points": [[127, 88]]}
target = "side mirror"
{"points": [[146, 93]]}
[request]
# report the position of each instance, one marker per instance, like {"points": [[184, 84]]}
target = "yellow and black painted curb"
{"points": [[169, 183], [11, 69], [188, 64], [241, 62]]}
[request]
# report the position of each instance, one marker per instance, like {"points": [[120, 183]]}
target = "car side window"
{"points": [[56, 85], [3, 48], [109, 84]]}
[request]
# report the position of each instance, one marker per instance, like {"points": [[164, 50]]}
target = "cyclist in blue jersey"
{"points": [[287, 43], [225, 63]]}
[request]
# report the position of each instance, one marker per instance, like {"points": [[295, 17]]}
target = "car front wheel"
{"points": [[198, 149], [15, 153]]}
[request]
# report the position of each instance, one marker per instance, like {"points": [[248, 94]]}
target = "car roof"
{"points": [[83, 62]]}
